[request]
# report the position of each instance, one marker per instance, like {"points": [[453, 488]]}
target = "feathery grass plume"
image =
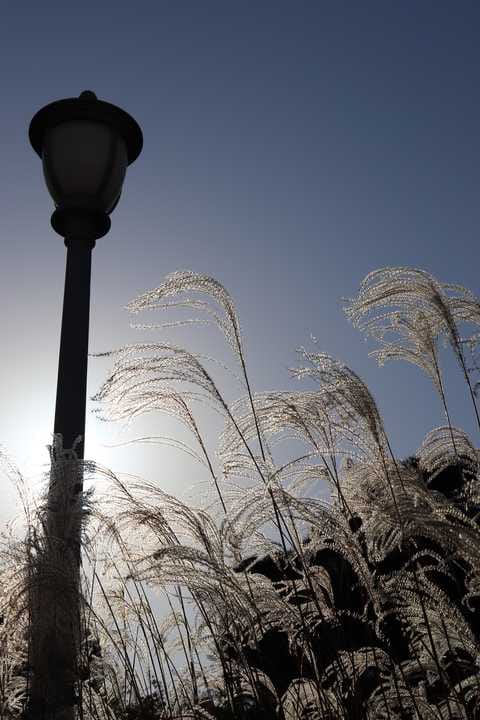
{"points": [[174, 541], [282, 416], [465, 309], [416, 502], [177, 543], [184, 281], [143, 370], [246, 519], [14, 666], [15, 570], [352, 408], [427, 312], [32, 571], [438, 452], [349, 402], [411, 290], [156, 377], [181, 282], [302, 701]]}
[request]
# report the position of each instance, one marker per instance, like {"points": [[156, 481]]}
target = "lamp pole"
{"points": [[72, 363], [85, 145]]}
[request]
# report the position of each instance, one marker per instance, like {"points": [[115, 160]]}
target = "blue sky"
{"points": [[290, 148]]}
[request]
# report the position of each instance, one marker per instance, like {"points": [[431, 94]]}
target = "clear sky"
{"points": [[290, 148]]}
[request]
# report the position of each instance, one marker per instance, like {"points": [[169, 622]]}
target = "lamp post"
{"points": [[85, 145]]}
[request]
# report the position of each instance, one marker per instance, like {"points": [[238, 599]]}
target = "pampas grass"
{"points": [[266, 601]]}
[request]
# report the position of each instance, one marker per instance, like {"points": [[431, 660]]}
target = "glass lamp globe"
{"points": [[85, 145]]}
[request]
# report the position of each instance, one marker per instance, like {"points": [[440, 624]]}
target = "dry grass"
{"points": [[274, 603]]}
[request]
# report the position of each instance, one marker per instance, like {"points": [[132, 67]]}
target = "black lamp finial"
{"points": [[87, 95]]}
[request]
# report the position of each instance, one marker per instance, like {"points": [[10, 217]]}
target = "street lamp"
{"points": [[85, 145]]}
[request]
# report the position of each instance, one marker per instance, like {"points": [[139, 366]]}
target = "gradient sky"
{"points": [[290, 148]]}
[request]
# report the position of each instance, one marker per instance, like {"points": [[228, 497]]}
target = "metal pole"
{"points": [[55, 613], [73, 356]]}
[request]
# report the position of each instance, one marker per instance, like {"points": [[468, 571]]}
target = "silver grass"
{"points": [[13, 645], [411, 290], [181, 282], [187, 281], [448, 627], [303, 701], [141, 371], [283, 416], [347, 399], [393, 701], [422, 311], [328, 576], [443, 447]]}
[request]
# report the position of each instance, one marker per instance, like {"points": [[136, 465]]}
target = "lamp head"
{"points": [[85, 145]]}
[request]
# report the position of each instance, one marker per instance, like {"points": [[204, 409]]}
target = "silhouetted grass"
{"points": [[274, 603]]}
